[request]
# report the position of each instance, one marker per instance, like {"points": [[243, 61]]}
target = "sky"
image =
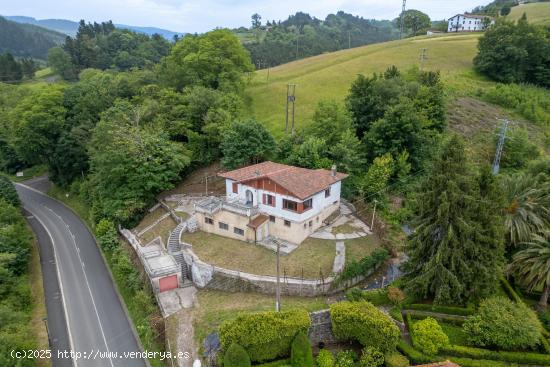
{"points": [[203, 15]]}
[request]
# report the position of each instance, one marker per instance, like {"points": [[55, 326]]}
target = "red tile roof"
{"points": [[258, 221], [301, 182]]}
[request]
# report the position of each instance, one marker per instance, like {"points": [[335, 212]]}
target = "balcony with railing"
{"points": [[212, 205]]}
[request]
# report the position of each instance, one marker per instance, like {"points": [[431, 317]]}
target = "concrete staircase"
{"points": [[174, 249], [192, 225]]}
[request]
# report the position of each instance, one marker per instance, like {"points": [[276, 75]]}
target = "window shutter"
{"points": [[235, 187], [263, 199]]}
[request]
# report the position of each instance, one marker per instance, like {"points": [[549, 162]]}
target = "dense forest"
{"points": [[302, 35], [27, 40], [102, 46]]}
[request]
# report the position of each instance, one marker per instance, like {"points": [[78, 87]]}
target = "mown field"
{"points": [[329, 76], [536, 13]]}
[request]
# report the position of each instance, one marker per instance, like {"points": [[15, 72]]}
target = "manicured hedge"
{"points": [[300, 353], [395, 359], [512, 357], [267, 335], [448, 310], [450, 319], [277, 363], [467, 362], [236, 356], [365, 323], [414, 355]]}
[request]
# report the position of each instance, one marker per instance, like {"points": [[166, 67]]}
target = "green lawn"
{"points": [[162, 230], [358, 248], [536, 13], [312, 256], [329, 76], [150, 218], [216, 307], [456, 335]]}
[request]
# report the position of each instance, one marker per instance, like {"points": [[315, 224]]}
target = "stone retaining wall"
{"points": [[213, 277], [321, 328]]}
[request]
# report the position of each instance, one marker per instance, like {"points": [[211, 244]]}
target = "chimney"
{"points": [[333, 170]]}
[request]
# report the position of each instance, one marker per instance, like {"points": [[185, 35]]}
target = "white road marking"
{"points": [[87, 284]]}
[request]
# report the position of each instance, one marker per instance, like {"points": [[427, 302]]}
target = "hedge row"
{"points": [[512, 357], [265, 336], [278, 363], [450, 319], [467, 362], [414, 355], [448, 310], [363, 322]]}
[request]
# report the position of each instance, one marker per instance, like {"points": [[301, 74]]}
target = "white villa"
{"points": [[271, 200], [468, 23]]}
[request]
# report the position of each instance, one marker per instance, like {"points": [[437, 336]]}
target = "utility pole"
{"points": [[373, 214], [290, 99], [349, 39], [500, 146], [402, 19], [297, 41], [423, 57], [278, 290], [206, 184]]}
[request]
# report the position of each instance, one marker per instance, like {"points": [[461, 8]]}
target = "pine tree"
{"points": [[455, 252]]}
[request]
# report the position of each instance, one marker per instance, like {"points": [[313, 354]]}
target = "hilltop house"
{"points": [[469, 23], [271, 200]]}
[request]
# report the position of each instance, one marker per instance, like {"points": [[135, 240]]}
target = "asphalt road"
{"points": [[96, 324]]}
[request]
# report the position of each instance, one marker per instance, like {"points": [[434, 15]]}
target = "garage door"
{"points": [[168, 283]]}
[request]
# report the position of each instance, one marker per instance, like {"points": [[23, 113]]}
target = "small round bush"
{"points": [[345, 359], [325, 358], [236, 356], [396, 360], [428, 336], [300, 353], [503, 324], [371, 357]]}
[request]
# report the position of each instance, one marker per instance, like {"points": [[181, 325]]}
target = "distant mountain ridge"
{"points": [[70, 27], [27, 40]]}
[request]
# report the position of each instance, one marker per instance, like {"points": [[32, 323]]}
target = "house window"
{"points": [[317, 219], [287, 223], [305, 225], [223, 226], [208, 220], [272, 218], [238, 231], [308, 204], [290, 205], [270, 200], [311, 223], [327, 192]]}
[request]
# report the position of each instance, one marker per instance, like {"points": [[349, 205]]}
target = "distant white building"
{"points": [[469, 23]]}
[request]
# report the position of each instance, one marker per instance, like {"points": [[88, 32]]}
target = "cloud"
{"points": [[203, 15]]}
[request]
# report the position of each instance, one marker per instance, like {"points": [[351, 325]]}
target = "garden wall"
{"points": [[213, 277]]}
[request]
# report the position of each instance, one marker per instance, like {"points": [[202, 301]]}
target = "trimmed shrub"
{"points": [[325, 358], [236, 356], [412, 354], [512, 357], [429, 336], [449, 310], [345, 359], [8, 192], [266, 335], [363, 322], [278, 363], [371, 357], [467, 362], [450, 319], [395, 360], [300, 354], [503, 324]]}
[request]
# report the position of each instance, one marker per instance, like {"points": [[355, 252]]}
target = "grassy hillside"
{"points": [[536, 12], [329, 76]]}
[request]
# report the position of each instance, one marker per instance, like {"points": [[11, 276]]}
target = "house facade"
{"points": [[469, 23], [271, 200]]}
